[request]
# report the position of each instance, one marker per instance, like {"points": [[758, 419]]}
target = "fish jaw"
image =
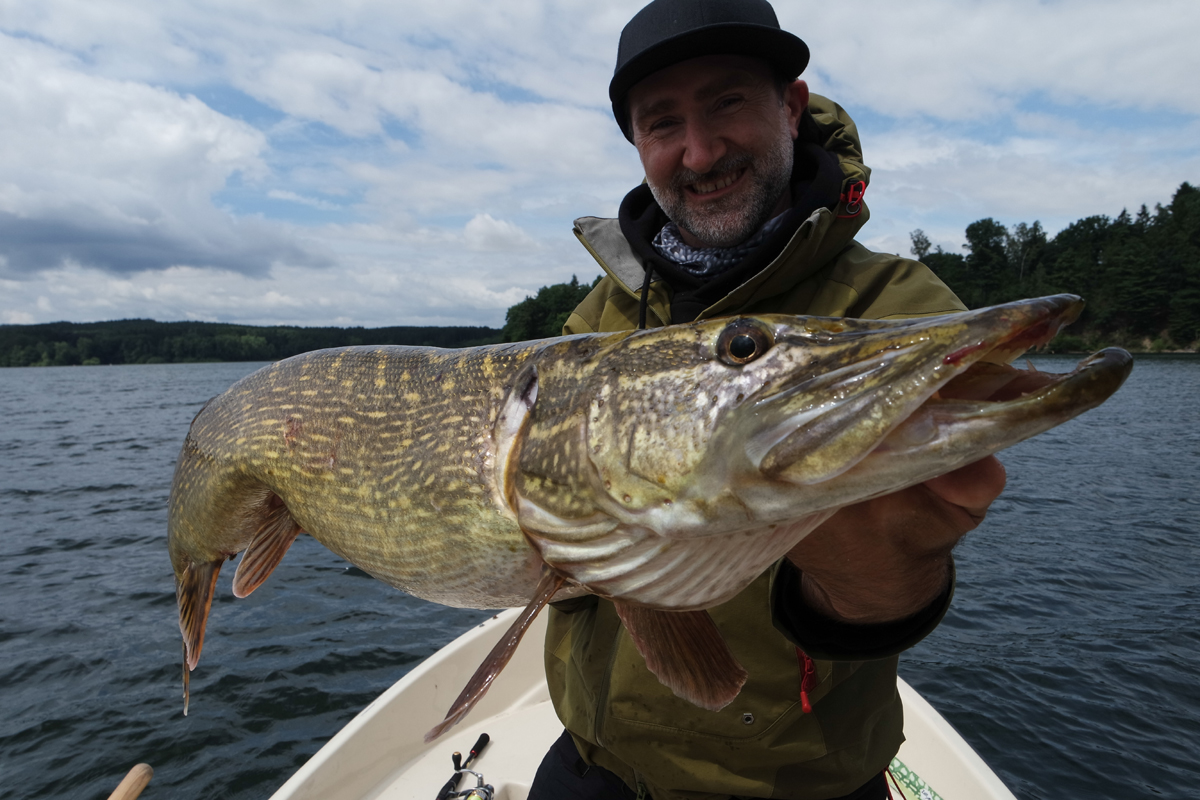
{"points": [[947, 433]]}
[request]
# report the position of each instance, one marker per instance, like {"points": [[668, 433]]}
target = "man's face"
{"points": [[715, 139]]}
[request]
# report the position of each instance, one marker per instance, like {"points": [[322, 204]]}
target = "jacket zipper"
{"points": [[808, 679]]}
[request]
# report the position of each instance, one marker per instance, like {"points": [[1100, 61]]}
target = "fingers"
{"points": [[973, 487], [886, 558]]}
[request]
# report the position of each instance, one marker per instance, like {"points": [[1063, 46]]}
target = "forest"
{"points": [[1140, 274], [143, 341]]}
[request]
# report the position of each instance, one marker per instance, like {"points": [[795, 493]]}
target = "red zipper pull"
{"points": [[808, 679], [852, 199]]}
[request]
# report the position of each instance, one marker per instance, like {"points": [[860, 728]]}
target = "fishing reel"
{"points": [[482, 791]]}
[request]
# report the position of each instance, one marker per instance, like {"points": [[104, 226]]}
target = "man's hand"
{"points": [[887, 558]]}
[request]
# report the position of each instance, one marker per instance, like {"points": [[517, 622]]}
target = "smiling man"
{"points": [[753, 196]]}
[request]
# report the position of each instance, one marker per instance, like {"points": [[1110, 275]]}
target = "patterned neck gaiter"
{"points": [[704, 262]]}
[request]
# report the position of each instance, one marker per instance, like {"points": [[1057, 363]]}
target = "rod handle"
{"points": [[133, 783]]}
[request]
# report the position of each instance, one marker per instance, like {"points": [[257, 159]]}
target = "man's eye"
{"points": [[662, 125], [728, 102]]}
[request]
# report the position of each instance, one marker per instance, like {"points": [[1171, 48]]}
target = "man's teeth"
{"points": [[705, 188]]}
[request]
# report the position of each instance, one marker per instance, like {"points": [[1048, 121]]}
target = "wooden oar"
{"points": [[132, 784]]}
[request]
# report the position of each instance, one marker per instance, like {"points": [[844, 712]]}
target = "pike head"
{"points": [[669, 467]]}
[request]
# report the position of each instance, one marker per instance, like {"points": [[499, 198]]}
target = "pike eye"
{"points": [[742, 342]]}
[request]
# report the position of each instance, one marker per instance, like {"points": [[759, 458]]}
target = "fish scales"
{"points": [[399, 440]]}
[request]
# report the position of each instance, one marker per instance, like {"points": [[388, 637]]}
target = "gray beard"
{"points": [[730, 220]]}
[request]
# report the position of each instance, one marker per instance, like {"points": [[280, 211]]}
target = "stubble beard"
{"points": [[730, 220]]}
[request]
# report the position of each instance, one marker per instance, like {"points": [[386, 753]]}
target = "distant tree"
{"points": [[1073, 257], [950, 267], [1023, 246], [1178, 251], [543, 315], [1131, 297], [986, 263], [920, 244]]}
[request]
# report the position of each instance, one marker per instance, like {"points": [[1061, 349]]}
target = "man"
{"points": [[753, 195]]}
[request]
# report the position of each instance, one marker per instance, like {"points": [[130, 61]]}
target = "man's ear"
{"points": [[795, 100]]}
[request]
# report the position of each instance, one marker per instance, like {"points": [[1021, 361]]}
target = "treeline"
{"points": [[143, 341], [1140, 273]]}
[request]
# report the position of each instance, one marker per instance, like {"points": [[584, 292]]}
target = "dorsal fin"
{"points": [[550, 583], [686, 652], [270, 543]]}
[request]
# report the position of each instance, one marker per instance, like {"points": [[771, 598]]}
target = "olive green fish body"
{"points": [[664, 469]]}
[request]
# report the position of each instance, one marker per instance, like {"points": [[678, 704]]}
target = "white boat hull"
{"points": [[381, 754]]}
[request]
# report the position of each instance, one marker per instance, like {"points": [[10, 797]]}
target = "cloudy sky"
{"points": [[419, 163]]}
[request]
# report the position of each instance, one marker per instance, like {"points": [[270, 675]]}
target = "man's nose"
{"points": [[702, 147]]}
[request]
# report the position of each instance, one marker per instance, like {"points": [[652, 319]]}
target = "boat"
{"points": [[381, 754]]}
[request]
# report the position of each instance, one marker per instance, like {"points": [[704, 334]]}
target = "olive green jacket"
{"points": [[762, 745]]}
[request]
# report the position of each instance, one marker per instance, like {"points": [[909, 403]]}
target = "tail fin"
{"points": [[216, 512], [194, 594]]}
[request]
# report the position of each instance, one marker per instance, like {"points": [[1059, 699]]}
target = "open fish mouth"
{"points": [[935, 389], [990, 406]]}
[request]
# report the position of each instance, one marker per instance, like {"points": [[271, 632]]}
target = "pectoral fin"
{"points": [[550, 583], [271, 541], [686, 652]]}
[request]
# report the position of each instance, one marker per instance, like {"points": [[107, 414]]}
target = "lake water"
{"points": [[1068, 659]]}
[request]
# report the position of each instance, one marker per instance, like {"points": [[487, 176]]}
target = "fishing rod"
{"points": [[460, 766]]}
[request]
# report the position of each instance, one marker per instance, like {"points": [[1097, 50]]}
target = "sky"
{"points": [[420, 163]]}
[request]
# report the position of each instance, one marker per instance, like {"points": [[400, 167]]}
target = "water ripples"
{"points": [[1067, 658]]}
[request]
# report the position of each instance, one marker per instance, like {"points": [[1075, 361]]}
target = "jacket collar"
{"points": [[814, 244]]}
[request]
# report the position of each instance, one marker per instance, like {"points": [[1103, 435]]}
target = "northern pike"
{"points": [[664, 469]]}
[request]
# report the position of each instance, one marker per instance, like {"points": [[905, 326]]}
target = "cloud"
{"points": [[958, 60], [485, 234], [333, 89], [250, 246], [394, 161], [119, 175], [292, 197], [392, 285]]}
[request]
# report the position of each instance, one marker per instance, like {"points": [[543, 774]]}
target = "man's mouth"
{"points": [[709, 187]]}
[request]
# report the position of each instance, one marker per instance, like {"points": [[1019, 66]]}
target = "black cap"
{"points": [[669, 31]]}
